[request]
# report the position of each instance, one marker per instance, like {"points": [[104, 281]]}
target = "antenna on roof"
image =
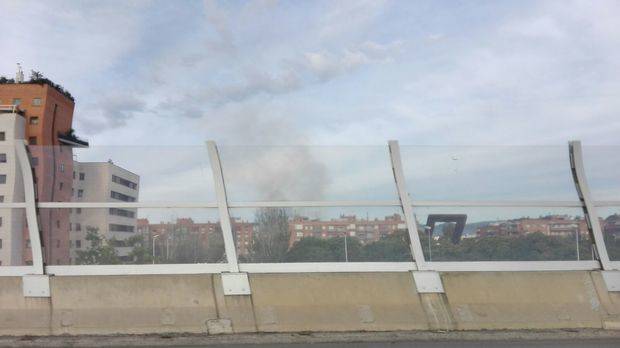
{"points": [[19, 76]]}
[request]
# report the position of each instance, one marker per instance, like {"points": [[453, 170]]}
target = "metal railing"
{"points": [[405, 201]]}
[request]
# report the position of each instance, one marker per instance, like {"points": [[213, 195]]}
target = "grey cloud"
{"points": [[327, 65], [110, 111]]}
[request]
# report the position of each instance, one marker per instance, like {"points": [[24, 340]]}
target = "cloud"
{"points": [[326, 65], [112, 110], [327, 72]]}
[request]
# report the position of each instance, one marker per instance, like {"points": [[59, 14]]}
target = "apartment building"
{"points": [[103, 182], [12, 221], [552, 225], [366, 230], [48, 114]]}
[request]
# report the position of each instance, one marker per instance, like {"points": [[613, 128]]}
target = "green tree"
{"points": [[140, 253], [394, 247], [271, 237], [215, 247], [311, 249], [99, 250]]}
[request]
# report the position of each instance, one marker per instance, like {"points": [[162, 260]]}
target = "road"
{"points": [[598, 343]]}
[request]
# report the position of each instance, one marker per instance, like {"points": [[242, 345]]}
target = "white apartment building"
{"points": [[12, 221], [103, 182]]}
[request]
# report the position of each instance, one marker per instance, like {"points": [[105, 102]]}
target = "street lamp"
{"points": [[346, 251], [154, 237]]}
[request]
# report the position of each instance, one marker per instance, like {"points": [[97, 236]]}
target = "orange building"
{"points": [[48, 111]]}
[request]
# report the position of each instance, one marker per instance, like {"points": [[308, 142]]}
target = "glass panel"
{"points": [[503, 234], [11, 182], [488, 173], [364, 234], [103, 236], [307, 173], [610, 224], [602, 166], [14, 241], [123, 174]]}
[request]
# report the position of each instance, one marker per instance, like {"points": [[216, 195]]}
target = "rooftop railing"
{"points": [[13, 109], [269, 209]]}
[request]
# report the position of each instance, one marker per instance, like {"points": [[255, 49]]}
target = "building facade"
{"points": [[366, 230], [12, 221], [48, 116], [103, 182]]}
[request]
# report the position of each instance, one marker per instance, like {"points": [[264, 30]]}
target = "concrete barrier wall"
{"points": [[309, 302]]}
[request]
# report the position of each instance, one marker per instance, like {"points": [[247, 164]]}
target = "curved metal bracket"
{"points": [[222, 205], [405, 200], [31, 208], [589, 209]]}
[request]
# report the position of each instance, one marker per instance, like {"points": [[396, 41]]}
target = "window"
{"points": [[0, 243], [36, 102], [57, 243], [121, 197], [34, 120], [74, 175], [80, 193], [121, 228], [2, 179], [32, 140], [82, 176], [124, 182], [17, 101], [57, 223], [122, 212], [1, 199], [78, 227], [2, 136], [35, 161], [62, 167], [78, 244], [60, 186], [2, 157], [78, 210], [27, 243]]}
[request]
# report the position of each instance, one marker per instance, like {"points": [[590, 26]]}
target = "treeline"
{"points": [[271, 244]]}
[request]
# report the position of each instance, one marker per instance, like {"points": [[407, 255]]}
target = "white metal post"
{"points": [[31, 209], [589, 209], [405, 201], [222, 205]]}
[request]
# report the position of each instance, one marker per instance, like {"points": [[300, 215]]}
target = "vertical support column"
{"points": [[222, 204], [405, 201], [589, 210], [31, 209]]}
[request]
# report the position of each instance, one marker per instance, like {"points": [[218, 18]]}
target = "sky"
{"points": [[151, 75], [327, 72]]}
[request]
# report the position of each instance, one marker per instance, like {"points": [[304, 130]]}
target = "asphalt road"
{"points": [[599, 343]]}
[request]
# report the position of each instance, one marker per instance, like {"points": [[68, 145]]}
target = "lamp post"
{"points": [[154, 237], [346, 251], [577, 238], [430, 237]]}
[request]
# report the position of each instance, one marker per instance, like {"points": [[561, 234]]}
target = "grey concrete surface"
{"points": [[606, 343], [430, 339]]}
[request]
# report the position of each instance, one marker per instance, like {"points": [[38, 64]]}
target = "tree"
{"points": [[215, 246], [394, 247], [312, 249], [36, 76], [271, 237], [99, 251], [140, 253]]}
